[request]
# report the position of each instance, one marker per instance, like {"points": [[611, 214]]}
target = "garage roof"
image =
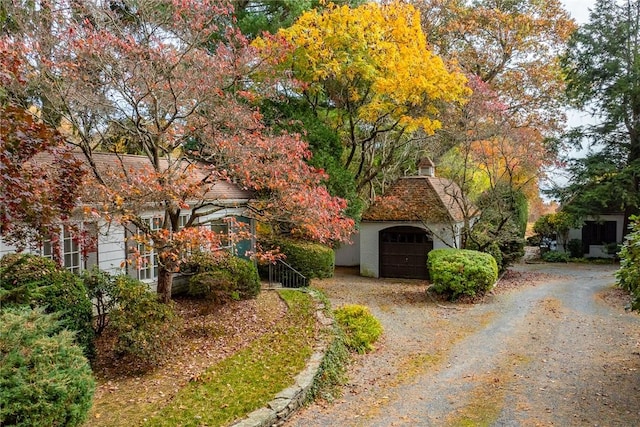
{"points": [[418, 198]]}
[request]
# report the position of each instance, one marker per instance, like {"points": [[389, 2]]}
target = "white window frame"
{"points": [[71, 252], [148, 263]]}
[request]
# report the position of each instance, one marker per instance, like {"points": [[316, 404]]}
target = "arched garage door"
{"points": [[403, 252]]}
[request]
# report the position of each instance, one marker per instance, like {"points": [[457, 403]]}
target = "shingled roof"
{"points": [[418, 198], [109, 162]]}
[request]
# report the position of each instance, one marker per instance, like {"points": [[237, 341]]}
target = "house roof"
{"points": [[109, 162], [418, 198]]}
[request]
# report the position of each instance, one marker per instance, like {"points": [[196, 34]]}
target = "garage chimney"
{"points": [[426, 167]]}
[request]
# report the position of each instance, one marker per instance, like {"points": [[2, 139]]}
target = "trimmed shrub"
{"points": [[360, 327], [456, 272], [36, 281], [575, 248], [45, 380], [142, 324], [215, 286], [222, 273], [555, 256], [312, 260]]}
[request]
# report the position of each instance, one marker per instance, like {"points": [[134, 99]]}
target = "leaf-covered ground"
{"points": [[207, 335], [550, 345]]}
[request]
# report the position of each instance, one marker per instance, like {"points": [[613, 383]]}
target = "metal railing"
{"points": [[283, 274]]}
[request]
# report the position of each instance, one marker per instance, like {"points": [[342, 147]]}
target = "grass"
{"points": [[250, 378]]}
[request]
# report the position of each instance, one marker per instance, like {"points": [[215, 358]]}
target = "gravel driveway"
{"points": [[547, 349]]}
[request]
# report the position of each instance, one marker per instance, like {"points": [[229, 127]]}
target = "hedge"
{"points": [[456, 272], [312, 260], [222, 276]]}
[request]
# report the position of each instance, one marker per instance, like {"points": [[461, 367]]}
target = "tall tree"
{"points": [[36, 201], [495, 146], [171, 77], [370, 75], [602, 65], [257, 16]]}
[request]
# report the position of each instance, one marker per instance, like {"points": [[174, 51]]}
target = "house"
{"points": [[114, 243], [598, 234], [415, 215]]}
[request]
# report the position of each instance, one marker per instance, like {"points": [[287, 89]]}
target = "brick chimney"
{"points": [[426, 167]]}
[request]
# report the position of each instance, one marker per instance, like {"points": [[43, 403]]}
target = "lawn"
{"points": [[227, 362]]}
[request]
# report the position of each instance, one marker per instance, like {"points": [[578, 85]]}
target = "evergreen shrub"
{"points": [[628, 276], [143, 325], [221, 276], [555, 256], [456, 272], [45, 380], [37, 282], [361, 328], [312, 260]]}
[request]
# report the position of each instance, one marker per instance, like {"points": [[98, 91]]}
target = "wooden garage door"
{"points": [[403, 252]]}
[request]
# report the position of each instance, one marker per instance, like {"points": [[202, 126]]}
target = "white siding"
{"points": [[596, 251], [9, 249], [111, 249], [370, 245], [348, 254]]}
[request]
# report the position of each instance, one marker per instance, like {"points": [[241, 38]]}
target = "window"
{"points": [[148, 256], [221, 228], [182, 221], [71, 252], [599, 233]]}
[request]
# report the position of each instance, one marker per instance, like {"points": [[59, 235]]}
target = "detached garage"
{"points": [[416, 215], [403, 252]]}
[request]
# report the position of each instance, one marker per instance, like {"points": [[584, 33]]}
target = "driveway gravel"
{"points": [[549, 347]]}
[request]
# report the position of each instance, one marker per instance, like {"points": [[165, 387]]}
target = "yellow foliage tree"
{"points": [[371, 75]]}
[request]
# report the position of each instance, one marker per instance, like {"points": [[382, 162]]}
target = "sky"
{"points": [[579, 9]]}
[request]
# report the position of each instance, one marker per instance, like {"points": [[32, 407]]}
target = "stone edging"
{"points": [[292, 398]]}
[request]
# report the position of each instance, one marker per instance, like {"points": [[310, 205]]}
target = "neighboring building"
{"points": [[114, 245], [415, 215], [598, 235]]}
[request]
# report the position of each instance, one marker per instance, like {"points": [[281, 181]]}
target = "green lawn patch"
{"points": [[251, 378]]}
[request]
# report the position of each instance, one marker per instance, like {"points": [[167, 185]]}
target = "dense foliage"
{"points": [[222, 277], [312, 260], [370, 75], [555, 256], [628, 276], [44, 378], [37, 282], [188, 109], [143, 326], [101, 289], [361, 328], [456, 272], [602, 68]]}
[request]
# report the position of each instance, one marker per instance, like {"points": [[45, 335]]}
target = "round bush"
{"points": [[36, 281], [44, 378], [456, 272], [215, 286], [360, 327], [312, 260], [241, 275], [143, 325]]}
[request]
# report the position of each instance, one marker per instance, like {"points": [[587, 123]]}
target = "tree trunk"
{"points": [[165, 282]]}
